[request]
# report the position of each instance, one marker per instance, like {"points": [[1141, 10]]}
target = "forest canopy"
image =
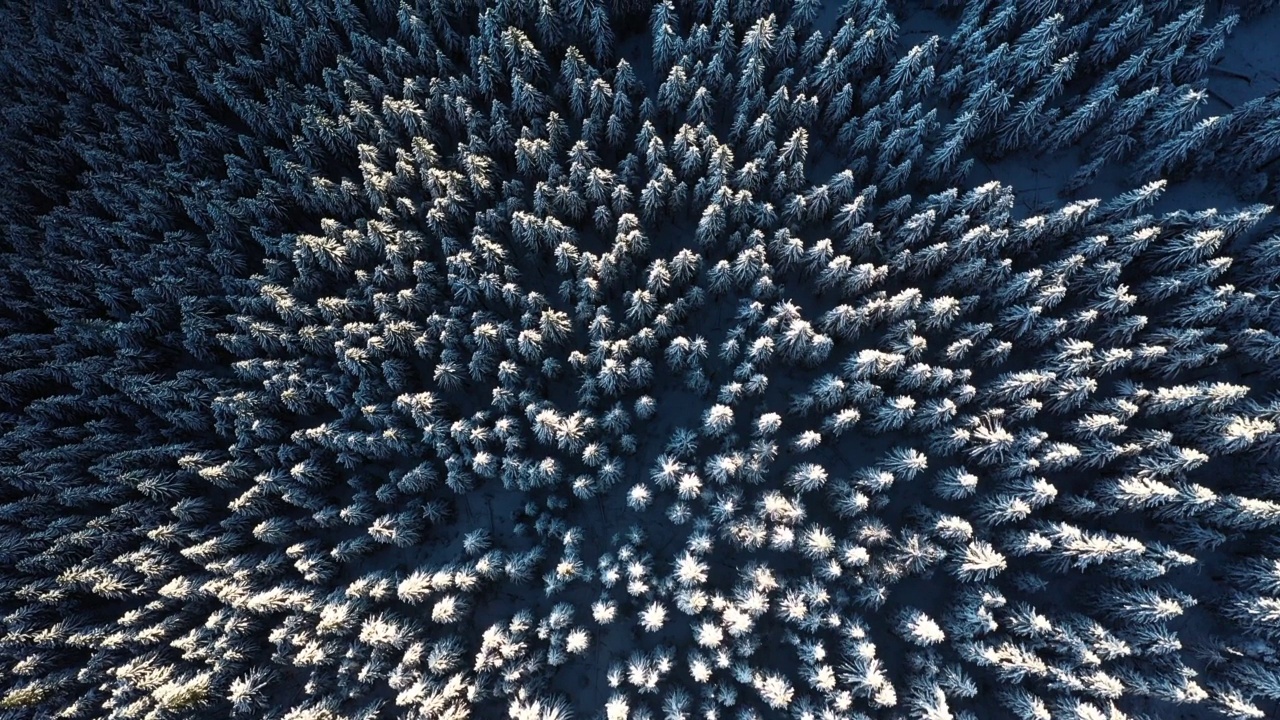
{"points": [[607, 359]]}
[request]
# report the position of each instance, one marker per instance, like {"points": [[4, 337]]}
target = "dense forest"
{"points": [[693, 360]]}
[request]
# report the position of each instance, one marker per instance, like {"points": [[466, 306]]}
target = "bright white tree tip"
{"points": [[653, 617], [918, 628]]}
